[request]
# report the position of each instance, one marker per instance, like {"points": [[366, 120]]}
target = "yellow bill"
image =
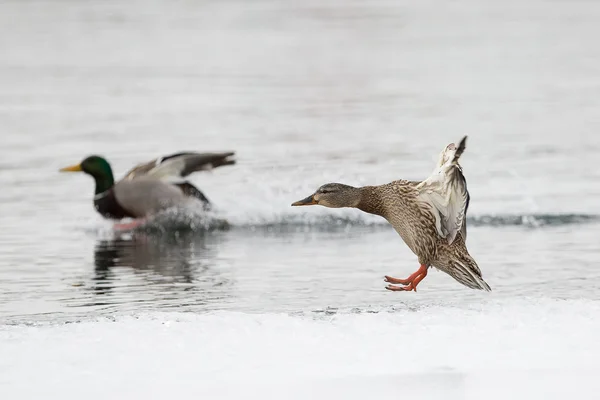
{"points": [[72, 168]]}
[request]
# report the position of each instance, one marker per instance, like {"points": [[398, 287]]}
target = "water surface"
{"points": [[306, 93]]}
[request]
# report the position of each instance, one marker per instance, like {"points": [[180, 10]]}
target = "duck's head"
{"points": [[92, 165], [98, 168], [333, 195]]}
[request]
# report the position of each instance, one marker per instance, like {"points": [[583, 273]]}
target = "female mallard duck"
{"points": [[150, 187], [430, 216]]}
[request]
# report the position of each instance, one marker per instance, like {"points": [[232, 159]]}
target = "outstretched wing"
{"points": [[179, 165], [446, 194], [463, 230]]}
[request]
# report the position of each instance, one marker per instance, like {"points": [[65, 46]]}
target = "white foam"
{"points": [[518, 348]]}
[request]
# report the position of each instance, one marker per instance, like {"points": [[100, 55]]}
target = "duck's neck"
{"points": [[371, 201], [104, 181]]}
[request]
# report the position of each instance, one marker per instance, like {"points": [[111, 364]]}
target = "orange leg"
{"points": [[411, 282], [129, 225]]}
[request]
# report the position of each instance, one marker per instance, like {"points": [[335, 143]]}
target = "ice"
{"points": [[519, 348]]}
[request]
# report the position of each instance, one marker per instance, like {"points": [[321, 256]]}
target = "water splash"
{"points": [[186, 221]]}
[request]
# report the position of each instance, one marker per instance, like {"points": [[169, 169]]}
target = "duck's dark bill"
{"points": [[72, 168], [309, 201]]}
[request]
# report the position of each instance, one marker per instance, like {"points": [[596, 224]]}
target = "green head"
{"points": [[98, 168]]}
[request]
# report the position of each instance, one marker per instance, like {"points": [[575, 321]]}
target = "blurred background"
{"points": [[305, 93]]}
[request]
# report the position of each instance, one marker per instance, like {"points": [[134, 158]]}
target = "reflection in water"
{"points": [[168, 257], [156, 269]]}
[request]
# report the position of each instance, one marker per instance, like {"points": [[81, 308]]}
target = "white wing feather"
{"points": [[168, 170], [445, 192], [175, 167]]}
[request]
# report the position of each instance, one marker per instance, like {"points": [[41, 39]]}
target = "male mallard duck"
{"points": [[149, 187], [430, 216]]}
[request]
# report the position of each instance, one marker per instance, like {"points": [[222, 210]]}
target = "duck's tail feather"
{"points": [[192, 191], [465, 270]]}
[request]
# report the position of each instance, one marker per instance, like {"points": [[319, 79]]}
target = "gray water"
{"points": [[305, 93]]}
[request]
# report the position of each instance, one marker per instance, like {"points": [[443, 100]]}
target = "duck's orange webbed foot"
{"points": [[406, 288], [410, 283], [126, 226]]}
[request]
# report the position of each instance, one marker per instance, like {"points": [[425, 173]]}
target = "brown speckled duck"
{"points": [[149, 187], [430, 216]]}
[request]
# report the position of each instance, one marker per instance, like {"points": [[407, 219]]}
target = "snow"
{"points": [[543, 348]]}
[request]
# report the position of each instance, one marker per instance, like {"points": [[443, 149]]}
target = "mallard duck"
{"points": [[430, 216], [148, 187]]}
